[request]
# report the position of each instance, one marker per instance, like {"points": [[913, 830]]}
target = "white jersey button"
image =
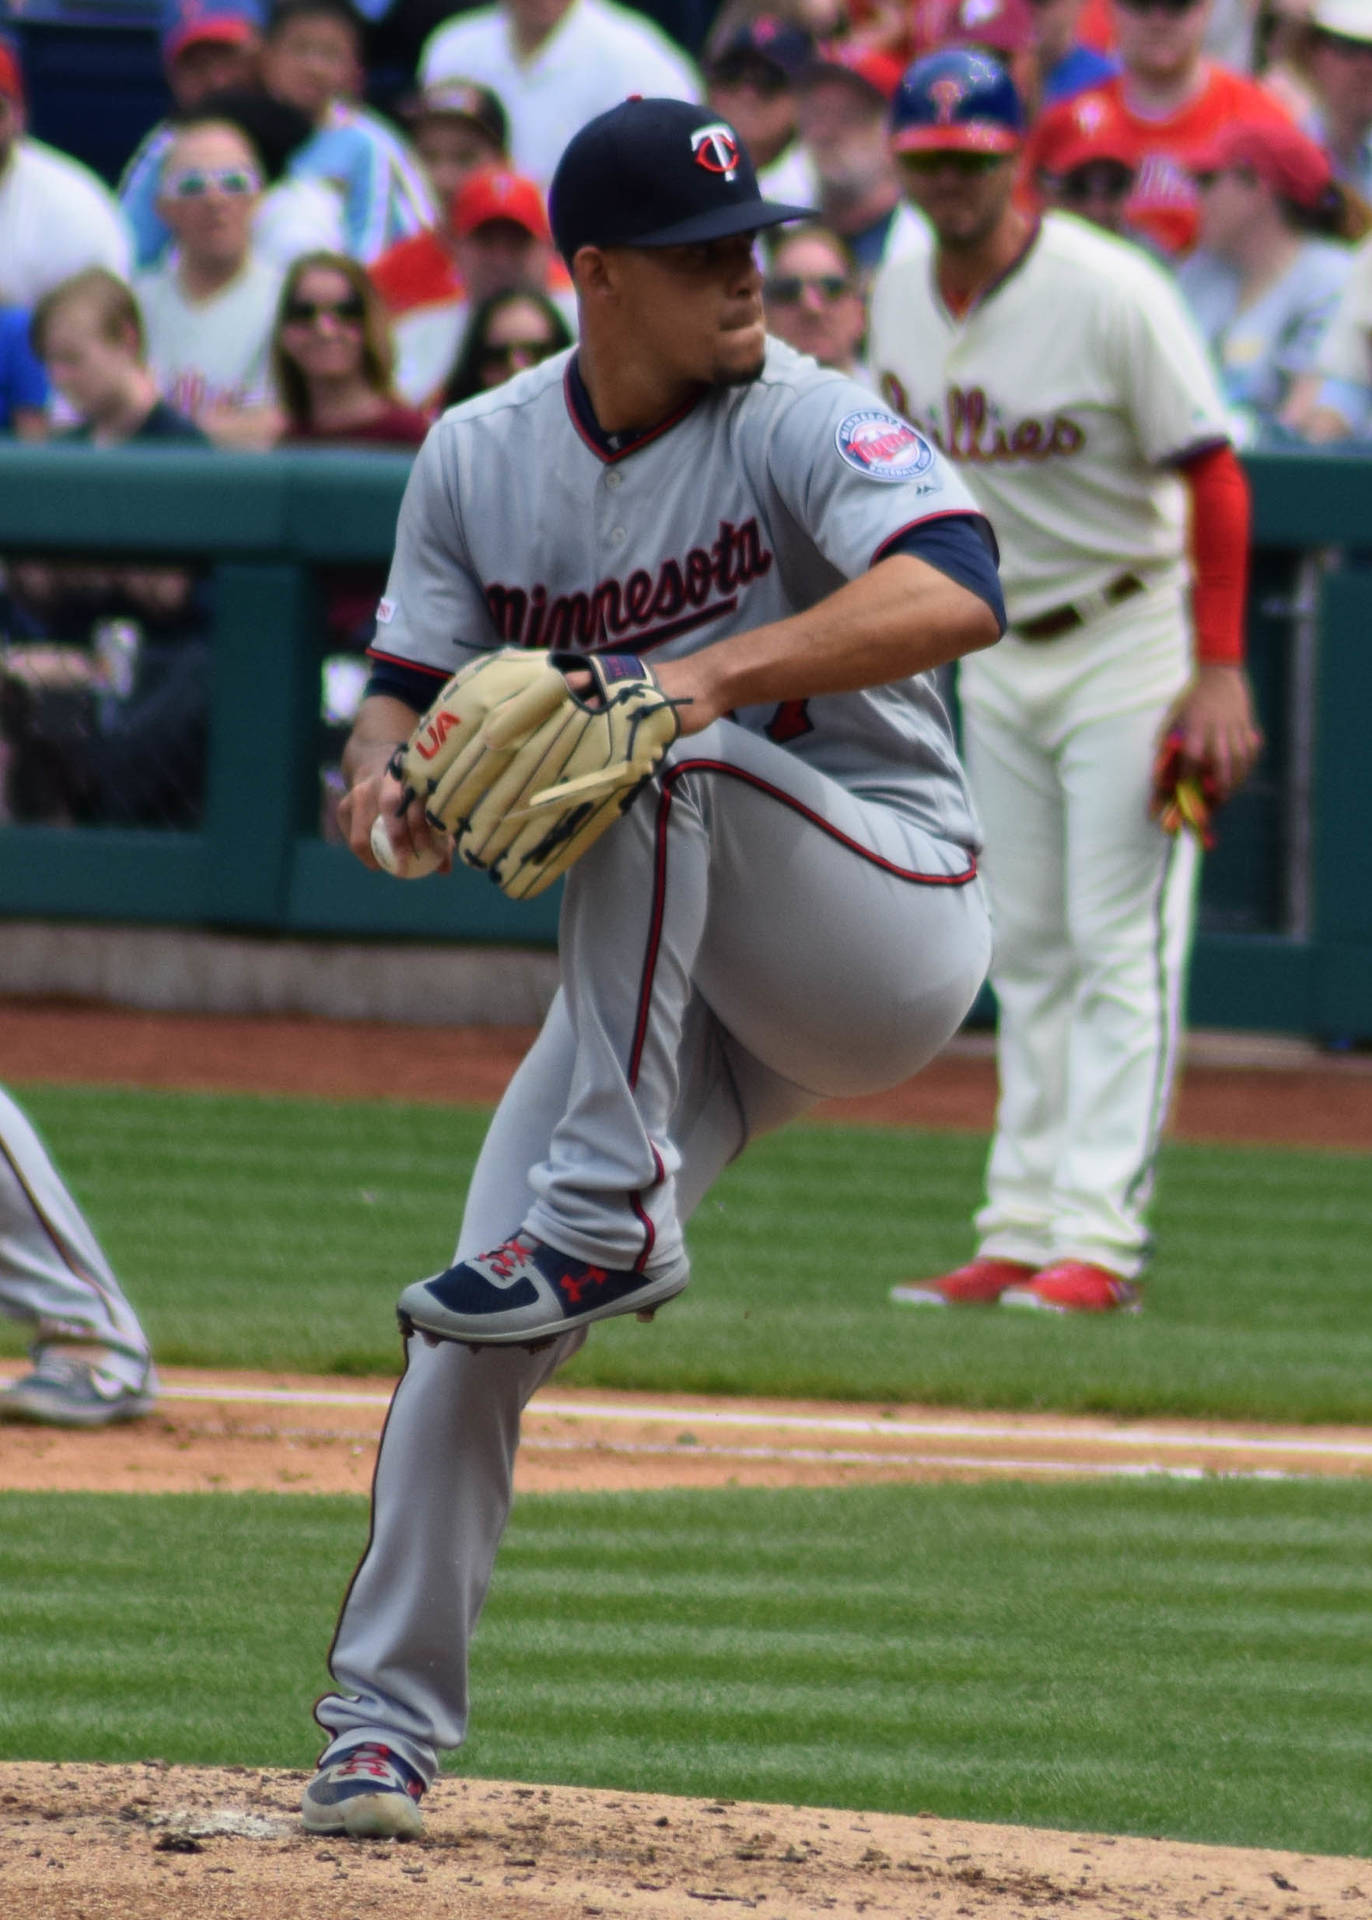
{"points": [[614, 481], [617, 536]]}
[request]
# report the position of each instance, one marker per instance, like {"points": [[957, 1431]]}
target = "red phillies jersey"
{"points": [[1165, 201]]}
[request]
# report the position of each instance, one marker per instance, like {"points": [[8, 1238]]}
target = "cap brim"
{"points": [[227, 32], [743, 216], [983, 138]]}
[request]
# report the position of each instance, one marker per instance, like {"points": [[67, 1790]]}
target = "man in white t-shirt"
{"points": [[555, 64], [56, 218], [210, 307]]}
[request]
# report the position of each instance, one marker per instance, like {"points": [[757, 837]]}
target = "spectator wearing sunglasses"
{"points": [[811, 299], [207, 46], [1270, 268], [1172, 102], [210, 307], [56, 218], [306, 58], [333, 362], [507, 333]]}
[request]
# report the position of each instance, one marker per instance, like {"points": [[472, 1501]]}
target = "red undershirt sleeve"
{"points": [[1220, 521]]}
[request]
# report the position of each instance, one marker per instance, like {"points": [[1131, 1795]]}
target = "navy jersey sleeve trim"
{"points": [[963, 546], [398, 680]]}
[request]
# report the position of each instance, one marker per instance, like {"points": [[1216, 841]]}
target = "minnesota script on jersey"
{"points": [[522, 527]]}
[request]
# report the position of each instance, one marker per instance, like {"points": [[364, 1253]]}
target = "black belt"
{"points": [[1065, 619]]}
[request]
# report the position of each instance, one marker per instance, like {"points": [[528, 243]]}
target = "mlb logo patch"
{"points": [[883, 446]]}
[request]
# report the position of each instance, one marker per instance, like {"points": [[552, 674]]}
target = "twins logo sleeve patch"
{"points": [[882, 446]]}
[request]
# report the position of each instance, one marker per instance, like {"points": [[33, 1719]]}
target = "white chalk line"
{"points": [[682, 1452], [688, 1417]]}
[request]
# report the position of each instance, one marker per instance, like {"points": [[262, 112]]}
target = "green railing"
{"points": [[1287, 924]]}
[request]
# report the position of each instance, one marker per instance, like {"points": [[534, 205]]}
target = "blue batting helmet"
{"points": [[957, 100]]}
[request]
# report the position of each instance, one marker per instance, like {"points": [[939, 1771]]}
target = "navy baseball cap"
{"points": [[957, 101], [766, 41], [657, 173]]}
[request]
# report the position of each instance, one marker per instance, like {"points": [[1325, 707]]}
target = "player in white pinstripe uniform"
{"points": [[1058, 370]]}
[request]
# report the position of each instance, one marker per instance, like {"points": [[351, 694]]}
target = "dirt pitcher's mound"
{"points": [[133, 1842]]}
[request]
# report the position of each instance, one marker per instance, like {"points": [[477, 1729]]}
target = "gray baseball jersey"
{"points": [[518, 529], [789, 909]]}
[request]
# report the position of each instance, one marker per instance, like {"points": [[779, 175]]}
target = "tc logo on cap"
{"points": [[716, 149]]}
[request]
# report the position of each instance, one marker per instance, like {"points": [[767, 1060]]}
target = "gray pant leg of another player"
{"points": [[445, 1472], [825, 966], [53, 1273]]}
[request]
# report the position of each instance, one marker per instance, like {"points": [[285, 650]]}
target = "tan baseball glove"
{"points": [[524, 773]]}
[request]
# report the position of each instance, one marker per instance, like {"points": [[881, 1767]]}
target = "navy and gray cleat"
{"points": [[370, 1794], [526, 1291]]}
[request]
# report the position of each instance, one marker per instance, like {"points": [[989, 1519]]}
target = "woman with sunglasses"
{"points": [[811, 299], [506, 334], [332, 359], [332, 363]]}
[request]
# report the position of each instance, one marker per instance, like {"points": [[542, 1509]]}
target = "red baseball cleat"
{"points": [[981, 1283], [1075, 1286]]}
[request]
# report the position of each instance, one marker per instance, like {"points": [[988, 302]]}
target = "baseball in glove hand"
{"points": [[1185, 797], [524, 772]]}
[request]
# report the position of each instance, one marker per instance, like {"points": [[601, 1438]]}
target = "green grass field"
{"points": [[1157, 1659], [1184, 1660], [277, 1233]]}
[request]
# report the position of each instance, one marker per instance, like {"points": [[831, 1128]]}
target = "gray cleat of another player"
{"points": [[66, 1391], [527, 1291], [370, 1794]]}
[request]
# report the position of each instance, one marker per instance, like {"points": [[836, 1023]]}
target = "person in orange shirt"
{"points": [[1172, 101]]}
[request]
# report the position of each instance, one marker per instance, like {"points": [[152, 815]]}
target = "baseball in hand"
{"points": [[405, 866]]}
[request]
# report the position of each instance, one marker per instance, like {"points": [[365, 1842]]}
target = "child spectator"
{"points": [[107, 714]]}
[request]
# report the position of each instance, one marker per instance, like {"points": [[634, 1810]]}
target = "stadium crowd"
{"points": [[285, 265]]}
